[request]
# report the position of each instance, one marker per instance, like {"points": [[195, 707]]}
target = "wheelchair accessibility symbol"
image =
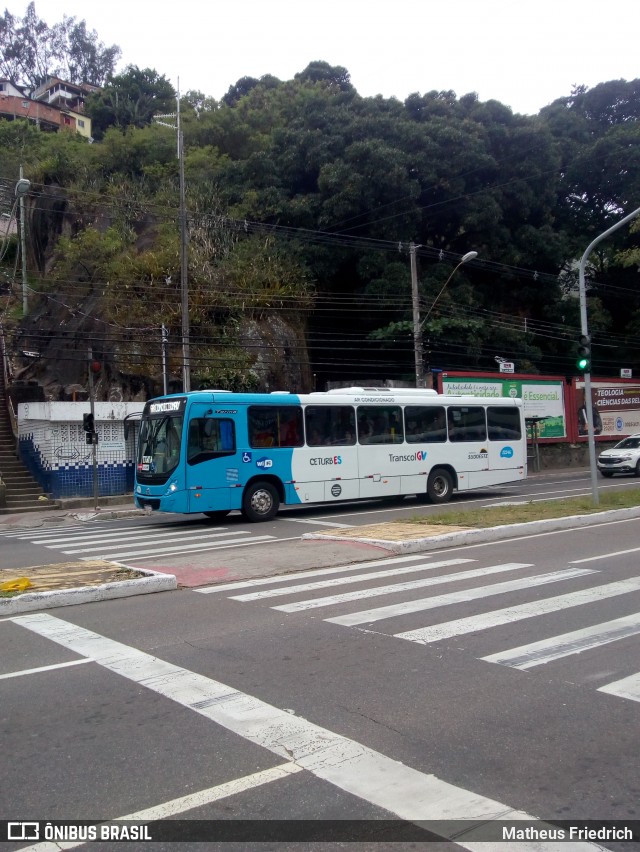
{"points": [[246, 457]]}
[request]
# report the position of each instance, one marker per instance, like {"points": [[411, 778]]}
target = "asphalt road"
{"points": [[475, 682], [165, 542]]}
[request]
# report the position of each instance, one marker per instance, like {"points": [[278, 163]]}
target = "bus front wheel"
{"points": [[260, 502], [439, 485]]}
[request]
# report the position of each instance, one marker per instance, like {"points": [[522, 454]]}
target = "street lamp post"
{"points": [[417, 324], [584, 327]]}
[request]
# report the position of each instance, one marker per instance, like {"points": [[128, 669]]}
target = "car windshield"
{"points": [[628, 444]]}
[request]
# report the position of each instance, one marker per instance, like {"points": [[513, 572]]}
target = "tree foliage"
{"points": [[130, 99], [303, 194], [31, 50]]}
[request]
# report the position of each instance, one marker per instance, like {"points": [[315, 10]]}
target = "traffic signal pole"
{"points": [[584, 327]]}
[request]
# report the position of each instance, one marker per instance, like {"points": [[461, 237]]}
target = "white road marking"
{"points": [[604, 556], [213, 794], [203, 548], [345, 763], [486, 620], [185, 803], [318, 523], [37, 532], [362, 594], [352, 578], [628, 687], [319, 572], [84, 537], [45, 668], [537, 653], [393, 610], [163, 551], [97, 544]]}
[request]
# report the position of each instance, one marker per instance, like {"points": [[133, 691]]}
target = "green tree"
{"points": [[31, 50], [130, 99]]}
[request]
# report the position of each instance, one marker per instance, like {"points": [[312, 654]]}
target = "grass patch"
{"points": [[538, 510]]}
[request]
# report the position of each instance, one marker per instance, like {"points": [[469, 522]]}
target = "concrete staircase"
{"points": [[22, 492]]}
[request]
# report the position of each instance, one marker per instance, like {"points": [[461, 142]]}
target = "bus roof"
{"points": [[341, 396]]}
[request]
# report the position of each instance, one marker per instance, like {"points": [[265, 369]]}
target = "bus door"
{"points": [[469, 445], [326, 468], [210, 458], [380, 430], [505, 437]]}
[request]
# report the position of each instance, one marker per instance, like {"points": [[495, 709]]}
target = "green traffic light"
{"points": [[582, 364]]}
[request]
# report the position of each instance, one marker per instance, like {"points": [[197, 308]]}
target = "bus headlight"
{"points": [[173, 486]]}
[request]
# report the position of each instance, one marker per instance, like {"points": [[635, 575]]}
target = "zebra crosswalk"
{"points": [[137, 543], [396, 579]]}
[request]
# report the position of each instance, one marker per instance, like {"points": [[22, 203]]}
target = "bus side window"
{"points": [[208, 438], [275, 426], [425, 424], [333, 425], [380, 424], [466, 423], [504, 423]]}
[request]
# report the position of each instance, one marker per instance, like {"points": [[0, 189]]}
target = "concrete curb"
{"points": [[480, 536], [60, 517], [153, 581]]}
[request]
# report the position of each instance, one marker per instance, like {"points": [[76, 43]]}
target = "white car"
{"points": [[623, 458]]}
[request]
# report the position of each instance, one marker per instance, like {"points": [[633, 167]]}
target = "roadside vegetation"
{"points": [[535, 510], [303, 199]]}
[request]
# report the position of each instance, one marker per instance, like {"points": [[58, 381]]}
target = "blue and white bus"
{"points": [[213, 451]]}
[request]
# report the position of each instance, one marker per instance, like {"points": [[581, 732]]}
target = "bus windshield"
{"points": [[159, 447]]}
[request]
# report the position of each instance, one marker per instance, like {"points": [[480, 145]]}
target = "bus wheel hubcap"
{"points": [[261, 501]]}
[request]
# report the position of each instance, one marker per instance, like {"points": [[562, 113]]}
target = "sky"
{"points": [[523, 53]]}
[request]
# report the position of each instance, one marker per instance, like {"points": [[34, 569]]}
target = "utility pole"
{"points": [[184, 244], [417, 328], [22, 187], [184, 265], [165, 341]]}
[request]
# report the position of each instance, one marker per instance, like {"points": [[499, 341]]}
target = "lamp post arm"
{"points": [[442, 289], [584, 327], [583, 263]]}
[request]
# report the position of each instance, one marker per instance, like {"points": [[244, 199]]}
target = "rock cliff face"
{"points": [[51, 344]]}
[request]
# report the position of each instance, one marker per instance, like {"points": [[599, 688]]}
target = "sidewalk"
{"points": [[72, 510]]}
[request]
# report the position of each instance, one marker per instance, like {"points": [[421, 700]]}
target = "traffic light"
{"points": [[87, 423], [583, 362]]}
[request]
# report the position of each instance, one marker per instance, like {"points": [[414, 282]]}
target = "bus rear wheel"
{"points": [[439, 485], [260, 502]]}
